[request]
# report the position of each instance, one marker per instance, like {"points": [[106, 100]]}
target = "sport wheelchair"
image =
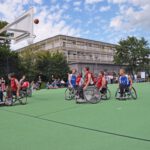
{"points": [[128, 94], [91, 95], [22, 99]]}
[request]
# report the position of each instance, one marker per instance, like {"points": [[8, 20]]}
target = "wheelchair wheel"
{"points": [[29, 92], [69, 94], [92, 95], [23, 97], [117, 94], [133, 93], [107, 95]]}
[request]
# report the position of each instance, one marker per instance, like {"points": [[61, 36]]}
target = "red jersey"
{"points": [[99, 82], [13, 84], [78, 80], [86, 78], [25, 84]]}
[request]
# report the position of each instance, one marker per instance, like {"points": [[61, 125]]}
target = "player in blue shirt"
{"points": [[125, 82], [72, 79]]}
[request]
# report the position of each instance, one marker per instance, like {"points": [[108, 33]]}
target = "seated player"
{"points": [[14, 84], [9, 99], [125, 82], [72, 79], [102, 83], [88, 81]]}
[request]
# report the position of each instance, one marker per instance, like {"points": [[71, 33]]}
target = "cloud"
{"points": [[134, 14], [117, 1], [77, 3], [78, 9], [116, 23], [92, 1], [105, 8]]}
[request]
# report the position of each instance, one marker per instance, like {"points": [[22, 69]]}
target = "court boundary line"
{"points": [[49, 113], [80, 127]]}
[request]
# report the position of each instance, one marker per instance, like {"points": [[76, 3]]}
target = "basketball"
{"points": [[36, 21]]}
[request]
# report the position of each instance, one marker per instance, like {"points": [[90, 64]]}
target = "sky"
{"points": [[101, 20]]}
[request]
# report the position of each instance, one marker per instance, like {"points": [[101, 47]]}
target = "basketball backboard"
{"points": [[21, 28]]}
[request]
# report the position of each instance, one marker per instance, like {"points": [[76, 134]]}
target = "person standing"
{"points": [[39, 82]]}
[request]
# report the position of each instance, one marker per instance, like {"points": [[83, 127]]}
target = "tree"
{"points": [[52, 64], [134, 53], [28, 62], [9, 60]]}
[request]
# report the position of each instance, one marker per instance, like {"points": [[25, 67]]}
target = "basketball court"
{"points": [[50, 122]]}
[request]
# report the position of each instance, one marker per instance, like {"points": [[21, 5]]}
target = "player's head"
{"points": [[73, 71], [11, 75], [122, 71], [80, 74], [86, 69], [101, 73]]}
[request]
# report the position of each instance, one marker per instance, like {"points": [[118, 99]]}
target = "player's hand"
{"points": [[17, 94]]}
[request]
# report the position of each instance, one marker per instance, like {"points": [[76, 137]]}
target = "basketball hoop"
{"points": [[21, 28]]}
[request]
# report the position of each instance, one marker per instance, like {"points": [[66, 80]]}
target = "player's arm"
{"points": [[69, 80], [130, 80], [88, 82], [18, 87]]}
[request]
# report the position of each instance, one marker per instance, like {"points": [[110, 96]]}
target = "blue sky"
{"points": [[102, 20]]}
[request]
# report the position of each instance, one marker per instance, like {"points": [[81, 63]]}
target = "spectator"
{"points": [[3, 86], [39, 82]]}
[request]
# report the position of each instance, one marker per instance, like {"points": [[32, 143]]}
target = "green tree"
{"points": [[9, 60], [134, 53], [49, 64], [28, 62]]}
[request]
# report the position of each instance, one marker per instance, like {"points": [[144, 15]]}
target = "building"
{"points": [[81, 52]]}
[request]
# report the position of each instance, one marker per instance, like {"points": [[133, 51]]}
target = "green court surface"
{"points": [[48, 122]]}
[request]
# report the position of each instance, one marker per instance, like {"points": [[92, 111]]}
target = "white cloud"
{"points": [[78, 9], [105, 8], [92, 1], [132, 15], [117, 1], [77, 3], [116, 22]]}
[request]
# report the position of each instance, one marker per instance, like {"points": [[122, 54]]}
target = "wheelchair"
{"points": [[22, 99], [128, 93]]}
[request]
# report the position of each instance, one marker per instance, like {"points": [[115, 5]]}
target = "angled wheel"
{"points": [[69, 94], [117, 94], [23, 97], [108, 94], [92, 95], [29, 92], [133, 93]]}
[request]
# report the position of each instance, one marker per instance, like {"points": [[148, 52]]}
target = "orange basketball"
{"points": [[36, 21]]}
